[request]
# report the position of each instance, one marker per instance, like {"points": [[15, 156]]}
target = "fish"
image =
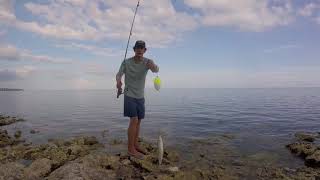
{"points": [[160, 149], [157, 83]]}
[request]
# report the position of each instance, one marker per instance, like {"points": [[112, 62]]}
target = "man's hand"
{"points": [[119, 87], [150, 65]]}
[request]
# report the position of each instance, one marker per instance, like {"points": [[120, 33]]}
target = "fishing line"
{"points": [[130, 34]]}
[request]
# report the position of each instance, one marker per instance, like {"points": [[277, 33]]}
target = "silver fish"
{"points": [[160, 149]]}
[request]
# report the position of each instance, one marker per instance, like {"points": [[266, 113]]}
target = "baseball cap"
{"points": [[139, 44]]}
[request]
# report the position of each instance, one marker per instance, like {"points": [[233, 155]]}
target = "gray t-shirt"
{"points": [[135, 77]]}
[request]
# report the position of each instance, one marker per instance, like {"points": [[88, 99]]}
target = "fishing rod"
{"points": [[130, 34]]}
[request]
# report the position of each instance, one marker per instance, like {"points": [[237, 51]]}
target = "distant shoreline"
{"points": [[9, 89]]}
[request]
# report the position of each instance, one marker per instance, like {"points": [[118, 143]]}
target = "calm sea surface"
{"points": [[260, 119]]}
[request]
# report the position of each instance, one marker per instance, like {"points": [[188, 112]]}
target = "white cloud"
{"points": [[308, 9], [8, 52], [25, 70], [157, 21], [6, 11], [18, 73], [45, 59], [11, 53], [311, 10], [77, 2], [91, 49], [252, 15]]}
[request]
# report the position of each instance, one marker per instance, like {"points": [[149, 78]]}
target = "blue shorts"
{"points": [[134, 107]]}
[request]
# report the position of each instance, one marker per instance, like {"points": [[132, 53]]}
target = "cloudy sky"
{"points": [[79, 44]]}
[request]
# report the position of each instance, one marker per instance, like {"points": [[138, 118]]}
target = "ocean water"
{"points": [[261, 120]]}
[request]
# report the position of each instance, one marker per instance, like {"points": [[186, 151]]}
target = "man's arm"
{"points": [[119, 75], [122, 70], [152, 66]]}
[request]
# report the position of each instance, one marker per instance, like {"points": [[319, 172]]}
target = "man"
{"points": [[135, 70]]}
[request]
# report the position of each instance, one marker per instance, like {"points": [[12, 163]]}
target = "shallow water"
{"points": [[263, 121]]}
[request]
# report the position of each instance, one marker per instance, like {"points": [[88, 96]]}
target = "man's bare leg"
{"points": [[131, 136], [136, 142]]}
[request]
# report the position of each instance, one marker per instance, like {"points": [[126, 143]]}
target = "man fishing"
{"points": [[135, 70]]}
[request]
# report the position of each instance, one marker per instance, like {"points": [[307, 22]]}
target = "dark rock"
{"points": [[6, 140], [148, 147], [171, 156], [271, 173], [61, 151], [77, 170], [77, 150], [144, 165], [32, 131], [308, 150], [126, 162], [20, 119], [109, 162], [6, 120], [314, 159], [206, 174], [86, 140], [39, 168], [125, 172], [302, 149], [90, 140], [305, 137], [17, 134], [116, 142], [306, 173], [174, 169], [11, 170], [92, 166]]}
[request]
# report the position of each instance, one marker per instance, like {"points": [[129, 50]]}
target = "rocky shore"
{"points": [[307, 148], [84, 158]]}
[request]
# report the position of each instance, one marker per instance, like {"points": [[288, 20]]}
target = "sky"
{"points": [[80, 44]]}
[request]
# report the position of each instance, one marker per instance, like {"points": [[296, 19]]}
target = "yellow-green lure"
{"points": [[157, 83]]}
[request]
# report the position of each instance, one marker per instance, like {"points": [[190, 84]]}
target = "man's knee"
{"points": [[134, 120]]}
